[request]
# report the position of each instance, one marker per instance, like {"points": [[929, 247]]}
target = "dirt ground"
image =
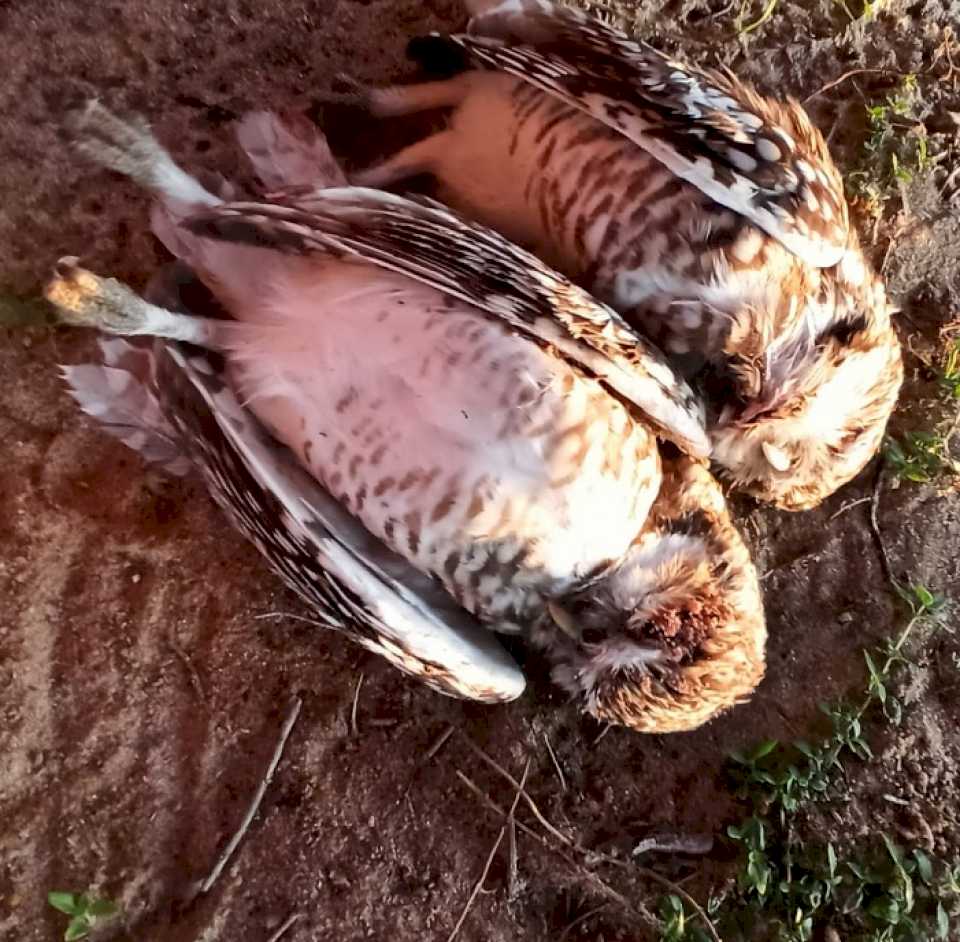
{"points": [[143, 678]]}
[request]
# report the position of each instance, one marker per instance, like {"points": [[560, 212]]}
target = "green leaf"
{"points": [[101, 908], [65, 902], [79, 928], [897, 858], [924, 866], [831, 860], [886, 909], [764, 749], [943, 922]]}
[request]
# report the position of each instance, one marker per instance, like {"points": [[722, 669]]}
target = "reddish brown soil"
{"points": [[142, 691]]}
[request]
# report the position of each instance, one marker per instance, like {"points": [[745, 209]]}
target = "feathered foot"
{"points": [[130, 148], [84, 299]]}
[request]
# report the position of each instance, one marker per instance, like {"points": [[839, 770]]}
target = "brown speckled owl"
{"points": [[710, 217], [428, 433]]}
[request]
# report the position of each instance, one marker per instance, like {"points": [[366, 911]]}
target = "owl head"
{"points": [[822, 406], [674, 634]]}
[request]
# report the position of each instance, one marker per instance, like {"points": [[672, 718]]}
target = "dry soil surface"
{"points": [[143, 678]]}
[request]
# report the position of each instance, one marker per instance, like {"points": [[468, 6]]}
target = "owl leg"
{"points": [[87, 300], [423, 157], [397, 100], [130, 148]]}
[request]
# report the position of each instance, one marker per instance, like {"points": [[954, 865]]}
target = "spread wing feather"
{"points": [[352, 582], [424, 241], [760, 158]]}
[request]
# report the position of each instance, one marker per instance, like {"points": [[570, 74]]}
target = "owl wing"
{"points": [[760, 158], [353, 583], [424, 241]]}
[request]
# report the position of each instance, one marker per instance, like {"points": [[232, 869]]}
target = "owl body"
{"points": [[565, 144], [447, 428], [517, 481]]}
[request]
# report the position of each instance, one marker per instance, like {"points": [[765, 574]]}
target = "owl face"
{"points": [[802, 444], [675, 634]]}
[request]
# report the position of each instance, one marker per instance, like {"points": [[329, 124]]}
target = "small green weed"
{"points": [[787, 888], [920, 457], [948, 374], [86, 912], [894, 153]]}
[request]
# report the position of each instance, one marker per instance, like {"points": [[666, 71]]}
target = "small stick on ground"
{"points": [[638, 910], [228, 851], [354, 728], [850, 506], [193, 676], [838, 80], [493, 852], [439, 743], [603, 732], [287, 923], [685, 896], [581, 919], [556, 764], [513, 860], [875, 526], [605, 858], [526, 797]]}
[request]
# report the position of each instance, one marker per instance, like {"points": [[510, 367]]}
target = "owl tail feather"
{"points": [[288, 149], [120, 393]]}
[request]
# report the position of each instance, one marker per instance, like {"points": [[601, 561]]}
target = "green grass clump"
{"points": [[787, 887], [85, 912]]}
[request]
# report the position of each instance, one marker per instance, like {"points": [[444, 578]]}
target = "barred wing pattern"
{"points": [[352, 582], [762, 159], [422, 240]]}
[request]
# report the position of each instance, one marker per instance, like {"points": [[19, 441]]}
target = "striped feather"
{"points": [[763, 160], [424, 241], [351, 581]]}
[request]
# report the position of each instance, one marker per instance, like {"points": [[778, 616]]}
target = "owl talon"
{"points": [[83, 299], [130, 148]]}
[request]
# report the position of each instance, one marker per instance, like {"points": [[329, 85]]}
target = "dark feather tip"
{"points": [[437, 55]]}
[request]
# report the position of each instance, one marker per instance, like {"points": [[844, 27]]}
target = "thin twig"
{"points": [[439, 743], [547, 826], [875, 525], [603, 732], [493, 853], [513, 859], [227, 853], [835, 82], [193, 675], [556, 765], [288, 922], [580, 920], [637, 909], [644, 871], [354, 729], [850, 506]]}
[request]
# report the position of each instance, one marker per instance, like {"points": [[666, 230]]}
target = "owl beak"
{"points": [[563, 620], [779, 460]]}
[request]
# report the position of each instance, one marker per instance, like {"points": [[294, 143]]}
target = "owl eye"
{"points": [[779, 460], [592, 636]]}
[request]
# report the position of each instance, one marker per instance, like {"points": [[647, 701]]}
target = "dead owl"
{"points": [[710, 217], [468, 436]]}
